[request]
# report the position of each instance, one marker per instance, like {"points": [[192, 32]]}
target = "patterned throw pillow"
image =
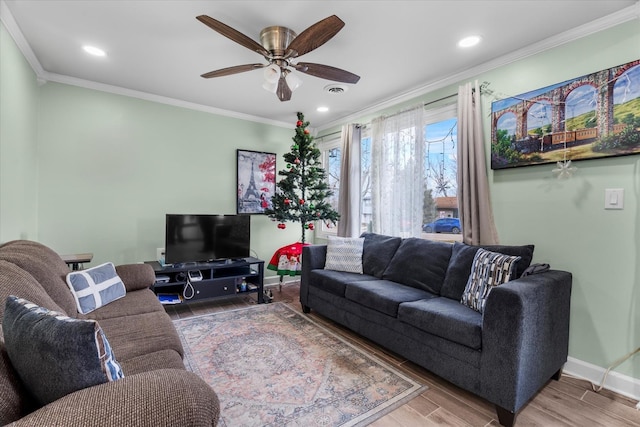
{"points": [[53, 354], [95, 287], [489, 269], [344, 254]]}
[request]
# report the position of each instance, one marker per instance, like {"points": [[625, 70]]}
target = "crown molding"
{"points": [[117, 90], [624, 15], [14, 31]]}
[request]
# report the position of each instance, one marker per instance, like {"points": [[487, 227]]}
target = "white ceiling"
{"points": [[157, 49]]}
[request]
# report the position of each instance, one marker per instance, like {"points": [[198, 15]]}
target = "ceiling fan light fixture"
{"points": [[272, 74], [270, 86], [293, 81]]}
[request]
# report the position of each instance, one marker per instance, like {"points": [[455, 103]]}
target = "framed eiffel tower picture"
{"points": [[256, 182]]}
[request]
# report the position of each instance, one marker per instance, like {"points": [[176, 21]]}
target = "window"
{"points": [[440, 174], [440, 212], [331, 159], [440, 215]]}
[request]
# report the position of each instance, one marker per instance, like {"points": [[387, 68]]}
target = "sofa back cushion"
{"points": [[462, 258], [377, 253], [46, 266], [16, 281], [420, 263]]}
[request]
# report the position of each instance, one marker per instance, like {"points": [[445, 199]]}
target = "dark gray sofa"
{"points": [[408, 300]]}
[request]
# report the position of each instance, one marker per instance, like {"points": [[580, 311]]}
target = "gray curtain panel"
{"points": [[474, 202], [349, 197]]}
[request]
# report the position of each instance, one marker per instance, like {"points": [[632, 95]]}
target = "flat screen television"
{"points": [[202, 238]]}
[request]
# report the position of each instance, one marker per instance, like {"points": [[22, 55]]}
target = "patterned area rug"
{"points": [[272, 366]]}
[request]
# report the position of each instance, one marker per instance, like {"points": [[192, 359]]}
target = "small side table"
{"points": [[74, 260]]}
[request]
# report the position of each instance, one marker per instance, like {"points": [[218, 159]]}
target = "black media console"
{"points": [[196, 281]]}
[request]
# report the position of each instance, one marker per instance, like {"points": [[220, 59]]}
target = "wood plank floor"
{"points": [[568, 402]]}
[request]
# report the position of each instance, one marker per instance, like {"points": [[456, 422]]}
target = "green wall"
{"points": [[112, 166], [18, 143], [565, 219]]}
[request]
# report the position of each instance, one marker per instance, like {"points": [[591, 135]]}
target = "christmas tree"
{"points": [[301, 196]]}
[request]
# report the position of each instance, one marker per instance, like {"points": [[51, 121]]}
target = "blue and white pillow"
{"points": [[95, 287], [489, 269], [344, 254], [53, 354]]}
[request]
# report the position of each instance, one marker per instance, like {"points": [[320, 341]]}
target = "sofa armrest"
{"points": [[136, 276], [166, 397], [313, 257], [525, 336]]}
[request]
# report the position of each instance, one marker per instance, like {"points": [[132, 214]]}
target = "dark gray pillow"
{"points": [[377, 253], [420, 263], [462, 258], [53, 354]]}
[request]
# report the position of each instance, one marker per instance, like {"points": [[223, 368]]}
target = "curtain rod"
{"points": [[394, 114], [483, 88]]}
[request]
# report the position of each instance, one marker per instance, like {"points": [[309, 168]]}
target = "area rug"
{"points": [[272, 366]]}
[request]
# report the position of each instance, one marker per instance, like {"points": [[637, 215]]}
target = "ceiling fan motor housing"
{"points": [[275, 39]]}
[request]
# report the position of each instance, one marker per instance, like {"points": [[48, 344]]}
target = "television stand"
{"points": [[187, 282]]}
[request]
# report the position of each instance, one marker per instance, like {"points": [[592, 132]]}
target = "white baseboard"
{"points": [[275, 280], [622, 384]]}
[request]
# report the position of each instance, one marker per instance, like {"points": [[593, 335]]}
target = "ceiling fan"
{"points": [[280, 45]]}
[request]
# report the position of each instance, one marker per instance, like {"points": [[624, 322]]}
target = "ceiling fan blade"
{"points": [[327, 72], [232, 70], [283, 91], [232, 34], [316, 35]]}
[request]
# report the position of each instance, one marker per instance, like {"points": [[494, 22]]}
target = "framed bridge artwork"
{"points": [[593, 116], [256, 182]]}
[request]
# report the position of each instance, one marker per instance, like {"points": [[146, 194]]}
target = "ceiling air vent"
{"points": [[335, 89]]}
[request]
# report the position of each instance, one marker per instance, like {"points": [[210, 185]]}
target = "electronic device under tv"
{"points": [[206, 238]]}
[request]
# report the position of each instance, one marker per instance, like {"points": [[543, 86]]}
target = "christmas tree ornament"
{"points": [[302, 191]]}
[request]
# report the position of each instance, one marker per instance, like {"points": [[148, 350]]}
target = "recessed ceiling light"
{"points": [[92, 50], [469, 41], [322, 109]]}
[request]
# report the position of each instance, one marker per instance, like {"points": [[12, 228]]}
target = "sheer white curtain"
{"points": [[349, 196], [397, 173], [474, 203]]}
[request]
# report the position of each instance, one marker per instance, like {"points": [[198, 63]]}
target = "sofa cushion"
{"points": [[489, 269], [383, 295], [53, 354], [334, 282], [444, 318], [45, 265], [136, 302], [377, 253], [462, 257], [96, 286], [140, 334], [15, 281], [344, 254], [420, 263]]}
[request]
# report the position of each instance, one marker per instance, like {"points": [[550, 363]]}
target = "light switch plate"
{"points": [[614, 198]]}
